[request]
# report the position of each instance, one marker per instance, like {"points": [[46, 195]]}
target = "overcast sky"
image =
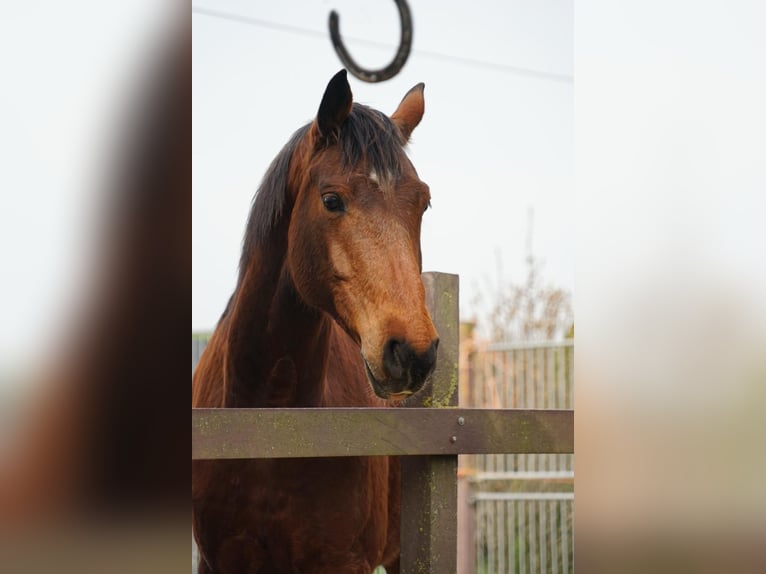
{"points": [[495, 140]]}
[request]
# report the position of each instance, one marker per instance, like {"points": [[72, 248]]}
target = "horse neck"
{"points": [[270, 348], [276, 345]]}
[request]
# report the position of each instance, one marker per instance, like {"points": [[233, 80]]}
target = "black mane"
{"points": [[366, 134]]}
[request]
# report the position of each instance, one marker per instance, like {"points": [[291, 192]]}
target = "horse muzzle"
{"points": [[404, 370]]}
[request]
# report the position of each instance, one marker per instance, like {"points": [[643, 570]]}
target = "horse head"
{"points": [[354, 235]]}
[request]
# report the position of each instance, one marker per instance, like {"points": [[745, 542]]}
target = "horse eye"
{"points": [[333, 202]]}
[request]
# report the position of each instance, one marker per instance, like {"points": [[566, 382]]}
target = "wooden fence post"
{"points": [[466, 510], [429, 483]]}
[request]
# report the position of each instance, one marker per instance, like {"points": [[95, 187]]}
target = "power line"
{"points": [[564, 78], [258, 22], [240, 19]]}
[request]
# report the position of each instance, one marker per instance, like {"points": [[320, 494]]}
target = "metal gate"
{"points": [[522, 504]]}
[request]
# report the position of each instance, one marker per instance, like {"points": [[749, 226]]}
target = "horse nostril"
{"points": [[395, 359], [425, 363], [402, 362]]}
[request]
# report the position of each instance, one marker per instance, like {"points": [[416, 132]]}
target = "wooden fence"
{"points": [[429, 435]]}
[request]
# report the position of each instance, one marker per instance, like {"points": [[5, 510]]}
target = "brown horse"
{"points": [[329, 297]]}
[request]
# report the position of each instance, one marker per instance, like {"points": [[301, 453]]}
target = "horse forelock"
{"points": [[370, 136]]}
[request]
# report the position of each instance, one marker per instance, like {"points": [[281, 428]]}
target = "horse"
{"points": [[328, 311]]}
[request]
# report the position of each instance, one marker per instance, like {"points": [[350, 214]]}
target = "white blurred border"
{"points": [[670, 159], [70, 71]]}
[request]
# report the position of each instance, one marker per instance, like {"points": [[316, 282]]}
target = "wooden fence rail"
{"points": [[298, 433], [429, 435]]}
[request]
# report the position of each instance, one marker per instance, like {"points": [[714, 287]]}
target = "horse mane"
{"points": [[367, 134]]}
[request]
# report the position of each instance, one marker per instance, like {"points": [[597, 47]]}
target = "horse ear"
{"points": [[335, 106], [410, 111]]}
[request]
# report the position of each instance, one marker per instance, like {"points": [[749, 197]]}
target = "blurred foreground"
{"points": [[670, 374], [93, 473]]}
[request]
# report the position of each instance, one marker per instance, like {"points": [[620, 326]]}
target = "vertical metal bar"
{"points": [[481, 533], [569, 352], [531, 398], [561, 387], [565, 530], [479, 382], [512, 538], [518, 396], [502, 535], [553, 504], [540, 395], [532, 534], [506, 403], [489, 400], [521, 511], [491, 536], [499, 401], [429, 483], [541, 513], [523, 397], [483, 395], [488, 365], [466, 526], [550, 459]]}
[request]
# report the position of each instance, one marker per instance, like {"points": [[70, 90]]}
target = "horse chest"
{"points": [[319, 490], [326, 506]]}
